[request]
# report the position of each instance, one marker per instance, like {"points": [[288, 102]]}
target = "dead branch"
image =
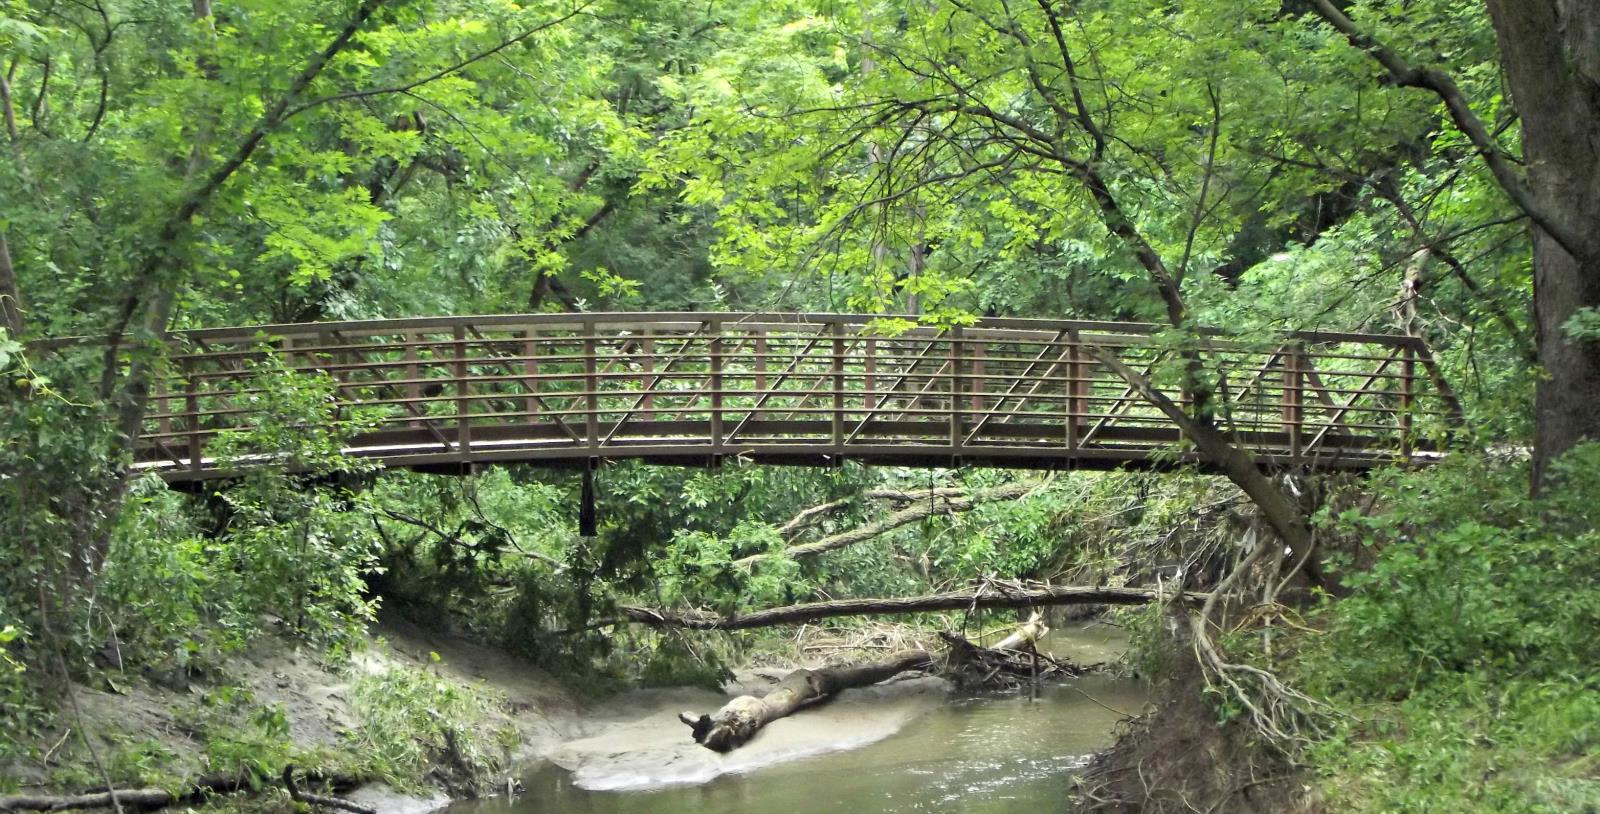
{"points": [[920, 506], [318, 799], [149, 799], [988, 595]]}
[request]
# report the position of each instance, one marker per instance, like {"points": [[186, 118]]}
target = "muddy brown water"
{"points": [[889, 750]]}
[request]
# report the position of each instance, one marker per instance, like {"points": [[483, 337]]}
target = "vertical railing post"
{"points": [[761, 370], [413, 375], [836, 364], [647, 369], [164, 408], [1408, 371], [957, 372], [1293, 389], [463, 390], [530, 368], [1077, 406], [870, 369], [979, 385], [591, 383], [714, 361]]}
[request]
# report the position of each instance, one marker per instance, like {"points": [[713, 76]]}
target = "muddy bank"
{"points": [[154, 730], [632, 747], [1179, 758]]}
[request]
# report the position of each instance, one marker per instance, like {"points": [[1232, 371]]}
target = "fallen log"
{"points": [[740, 719], [1028, 596], [337, 803], [149, 799]]}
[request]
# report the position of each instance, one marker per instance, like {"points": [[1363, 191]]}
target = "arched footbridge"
{"points": [[694, 388]]}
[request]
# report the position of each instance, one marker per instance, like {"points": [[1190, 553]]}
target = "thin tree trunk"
{"points": [[11, 306]]}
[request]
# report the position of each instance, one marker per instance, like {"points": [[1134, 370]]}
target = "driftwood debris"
{"points": [[1025, 636], [971, 666], [1013, 595], [740, 719], [1013, 660]]}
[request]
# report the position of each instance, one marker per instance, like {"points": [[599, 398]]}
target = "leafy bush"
{"points": [[414, 722], [1466, 657]]}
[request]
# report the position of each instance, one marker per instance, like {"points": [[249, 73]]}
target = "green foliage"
{"points": [[415, 721], [697, 569], [183, 585], [243, 738], [1468, 646]]}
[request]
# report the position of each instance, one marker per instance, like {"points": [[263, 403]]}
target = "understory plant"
{"points": [[1465, 658]]}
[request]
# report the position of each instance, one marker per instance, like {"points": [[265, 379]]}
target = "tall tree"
{"points": [[1550, 52]]}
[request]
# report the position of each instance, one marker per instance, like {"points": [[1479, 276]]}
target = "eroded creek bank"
{"points": [[907, 745]]}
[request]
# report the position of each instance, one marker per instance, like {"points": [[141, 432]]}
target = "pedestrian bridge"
{"points": [[446, 393]]}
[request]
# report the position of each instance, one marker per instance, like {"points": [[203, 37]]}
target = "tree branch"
{"points": [[441, 73], [922, 508], [1440, 84], [1281, 513]]}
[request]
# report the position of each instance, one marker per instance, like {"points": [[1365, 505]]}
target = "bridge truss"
{"points": [[694, 388]]}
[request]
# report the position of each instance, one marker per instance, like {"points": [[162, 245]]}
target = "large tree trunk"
{"points": [[740, 719], [1550, 50]]}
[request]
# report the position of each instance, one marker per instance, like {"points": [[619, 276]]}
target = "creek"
{"points": [[903, 747]]}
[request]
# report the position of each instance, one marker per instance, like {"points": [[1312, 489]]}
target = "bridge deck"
{"points": [[787, 388]]}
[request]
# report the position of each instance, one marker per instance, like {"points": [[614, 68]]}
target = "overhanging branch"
{"points": [[1406, 75]]}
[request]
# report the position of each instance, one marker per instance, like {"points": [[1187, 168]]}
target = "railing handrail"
{"points": [[594, 319]]}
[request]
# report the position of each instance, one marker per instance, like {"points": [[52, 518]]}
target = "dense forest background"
{"points": [[1424, 167]]}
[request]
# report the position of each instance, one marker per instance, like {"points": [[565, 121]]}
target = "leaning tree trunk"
{"points": [[1550, 50], [740, 719]]}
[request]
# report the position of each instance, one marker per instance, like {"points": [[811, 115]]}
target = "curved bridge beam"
{"points": [[818, 389]]}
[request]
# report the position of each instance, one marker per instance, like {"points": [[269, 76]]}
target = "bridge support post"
{"points": [[588, 520]]}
